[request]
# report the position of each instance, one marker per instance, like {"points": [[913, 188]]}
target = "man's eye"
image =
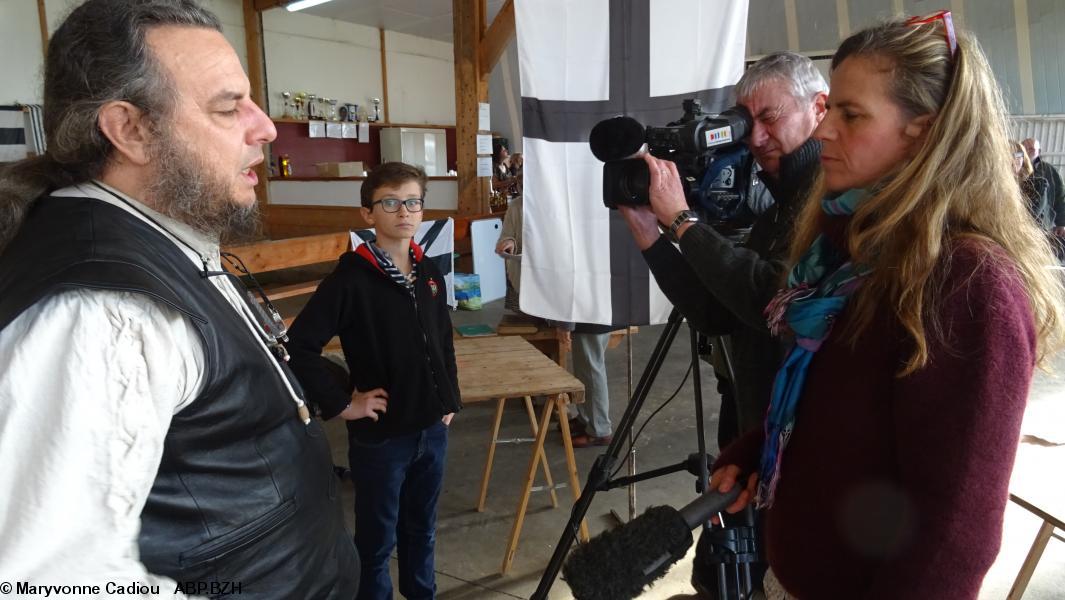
{"points": [[228, 113]]}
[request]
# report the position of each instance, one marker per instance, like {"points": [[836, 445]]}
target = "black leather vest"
{"points": [[245, 492]]}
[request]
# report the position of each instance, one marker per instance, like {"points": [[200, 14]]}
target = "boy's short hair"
{"points": [[391, 174]]}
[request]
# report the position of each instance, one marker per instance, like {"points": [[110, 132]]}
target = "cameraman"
{"points": [[721, 288]]}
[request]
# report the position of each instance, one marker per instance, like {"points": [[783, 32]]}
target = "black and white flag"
{"points": [[582, 61], [12, 134], [437, 240], [21, 132]]}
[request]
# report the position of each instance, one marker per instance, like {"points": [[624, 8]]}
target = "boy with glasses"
{"points": [[389, 307]]}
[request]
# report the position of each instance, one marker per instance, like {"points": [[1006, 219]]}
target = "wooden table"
{"points": [[1034, 486], [501, 367]]}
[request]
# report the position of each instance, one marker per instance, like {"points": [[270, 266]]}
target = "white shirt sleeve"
{"points": [[89, 382]]}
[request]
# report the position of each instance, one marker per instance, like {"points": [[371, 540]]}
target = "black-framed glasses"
{"points": [[391, 205]]}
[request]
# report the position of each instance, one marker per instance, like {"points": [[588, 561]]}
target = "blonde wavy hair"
{"points": [[960, 184]]}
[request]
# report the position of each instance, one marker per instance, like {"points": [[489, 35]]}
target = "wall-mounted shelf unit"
{"points": [[304, 151]]}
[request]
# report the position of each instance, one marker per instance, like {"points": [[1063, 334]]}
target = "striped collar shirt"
{"points": [[390, 269]]}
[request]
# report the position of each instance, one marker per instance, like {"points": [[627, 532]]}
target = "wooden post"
{"points": [[384, 75], [471, 87], [497, 37], [42, 16], [253, 41]]}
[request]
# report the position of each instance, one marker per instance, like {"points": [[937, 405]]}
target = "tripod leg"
{"points": [[600, 472], [543, 457], [700, 435]]}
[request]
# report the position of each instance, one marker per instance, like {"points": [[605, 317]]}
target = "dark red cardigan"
{"points": [[895, 487]]}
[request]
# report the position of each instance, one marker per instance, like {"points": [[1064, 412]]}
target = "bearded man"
{"points": [[150, 430]]}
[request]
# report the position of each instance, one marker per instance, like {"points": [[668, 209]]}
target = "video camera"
{"points": [[692, 142]]}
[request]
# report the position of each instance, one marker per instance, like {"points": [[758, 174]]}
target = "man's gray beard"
{"points": [[184, 189]]}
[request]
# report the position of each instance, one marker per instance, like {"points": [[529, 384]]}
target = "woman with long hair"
{"points": [[920, 302]]}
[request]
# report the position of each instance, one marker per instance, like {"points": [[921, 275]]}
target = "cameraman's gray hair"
{"points": [[99, 54], [799, 71]]}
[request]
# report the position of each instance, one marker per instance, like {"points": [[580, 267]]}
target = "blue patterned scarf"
{"points": [[818, 289]]}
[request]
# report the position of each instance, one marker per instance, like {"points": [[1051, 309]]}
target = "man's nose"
{"points": [[261, 128], [758, 135]]}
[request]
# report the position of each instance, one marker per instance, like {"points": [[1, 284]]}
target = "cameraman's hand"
{"points": [[366, 404], [642, 223], [667, 195], [723, 481]]}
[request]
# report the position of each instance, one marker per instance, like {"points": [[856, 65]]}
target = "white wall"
{"points": [[421, 80], [341, 60], [329, 58], [20, 45], [20, 41], [231, 14]]}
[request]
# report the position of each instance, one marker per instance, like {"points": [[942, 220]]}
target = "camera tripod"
{"points": [[601, 476]]}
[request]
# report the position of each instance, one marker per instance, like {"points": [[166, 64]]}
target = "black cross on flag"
{"points": [[582, 61]]}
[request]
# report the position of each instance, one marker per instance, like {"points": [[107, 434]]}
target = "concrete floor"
{"points": [[471, 545]]}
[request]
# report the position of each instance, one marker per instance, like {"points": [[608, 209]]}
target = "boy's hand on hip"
{"points": [[447, 419], [366, 405]]}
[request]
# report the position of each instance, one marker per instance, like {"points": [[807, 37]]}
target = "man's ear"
{"points": [[820, 106], [128, 131], [367, 215], [918, 127]]}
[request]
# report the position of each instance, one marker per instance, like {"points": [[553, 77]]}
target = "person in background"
{"points": [[506, 176], [919, 303], [1034, 189], [721, 287], [1055, 188], [389, 307], [1055, 193], [591, 425]]}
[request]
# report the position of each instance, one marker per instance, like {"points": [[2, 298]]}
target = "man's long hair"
{"points": [[959, 185], [98, 55]]}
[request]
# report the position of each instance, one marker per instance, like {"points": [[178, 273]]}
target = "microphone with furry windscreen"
{"points": [[618, 564]]}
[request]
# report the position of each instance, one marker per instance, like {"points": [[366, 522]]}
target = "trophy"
{"points": [[286, 108], [349, 112], [376, 110], [312, 106], [332, 109], [300, 101]]}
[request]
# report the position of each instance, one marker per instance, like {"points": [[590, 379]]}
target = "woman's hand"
{"points": [[642, 223], [723, 481], [366, 405], [665, 191]]}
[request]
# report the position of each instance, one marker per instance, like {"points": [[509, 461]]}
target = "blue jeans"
{"points": [[397, 485]]}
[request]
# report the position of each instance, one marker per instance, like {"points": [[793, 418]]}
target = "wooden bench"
{"points": [[266, 258]]}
